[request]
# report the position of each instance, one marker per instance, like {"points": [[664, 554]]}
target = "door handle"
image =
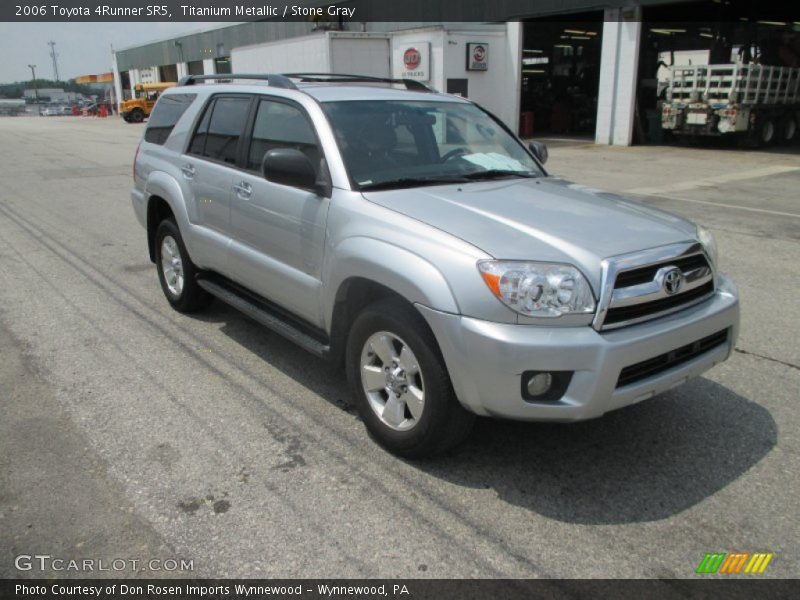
{"points": [[243, 189], [188, 171]]}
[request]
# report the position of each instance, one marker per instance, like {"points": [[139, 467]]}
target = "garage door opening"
{"points": [[560, 76]]}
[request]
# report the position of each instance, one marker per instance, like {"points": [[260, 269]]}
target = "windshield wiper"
{"points": [[411, 182], [498, 173]]}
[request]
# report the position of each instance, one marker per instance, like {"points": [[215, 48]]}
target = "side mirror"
{"points": [[288, 166], [539, 150]]}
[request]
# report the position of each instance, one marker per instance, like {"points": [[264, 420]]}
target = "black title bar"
{"points": [[418, 589], [333, 11]]}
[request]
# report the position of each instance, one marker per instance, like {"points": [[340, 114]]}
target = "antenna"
{"points": [[54, 56]]}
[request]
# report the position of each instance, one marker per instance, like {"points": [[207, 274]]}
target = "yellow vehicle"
{"points": [[144, 99]]}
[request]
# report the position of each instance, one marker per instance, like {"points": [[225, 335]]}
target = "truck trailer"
{"points": [[759, 104]]}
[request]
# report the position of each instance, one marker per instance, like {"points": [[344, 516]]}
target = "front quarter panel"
{"points": [[411, 276], [421, 263]]}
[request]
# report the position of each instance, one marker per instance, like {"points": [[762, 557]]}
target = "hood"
{"points": [[545, 219]]}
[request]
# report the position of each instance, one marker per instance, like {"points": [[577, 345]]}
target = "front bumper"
{"points": [[486, 359]]}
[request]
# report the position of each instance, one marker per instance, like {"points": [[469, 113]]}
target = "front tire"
{"points": [[400, 383], [176, 272], [137, 115]]}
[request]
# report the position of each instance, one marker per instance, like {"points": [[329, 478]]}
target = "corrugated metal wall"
{"points": [[219, 42]]}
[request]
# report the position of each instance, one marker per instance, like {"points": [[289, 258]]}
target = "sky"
{"points": [[83, 48]]}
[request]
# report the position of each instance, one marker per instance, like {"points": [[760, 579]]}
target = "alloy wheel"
{"points": [[172, 265], [392, 381]]}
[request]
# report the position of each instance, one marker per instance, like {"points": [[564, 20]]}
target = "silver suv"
{"points": [[411, 237]]}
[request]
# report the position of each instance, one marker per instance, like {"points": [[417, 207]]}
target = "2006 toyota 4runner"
{"points": [[411, 237]]}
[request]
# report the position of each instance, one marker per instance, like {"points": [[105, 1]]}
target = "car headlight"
{"points": [[538, 289], [705, 237]]}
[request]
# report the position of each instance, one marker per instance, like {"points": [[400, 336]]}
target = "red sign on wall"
{"points": [[411, 58]]}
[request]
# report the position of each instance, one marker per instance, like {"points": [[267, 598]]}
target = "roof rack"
{"points": [[274, 80], [284, 80], [411, 84]]}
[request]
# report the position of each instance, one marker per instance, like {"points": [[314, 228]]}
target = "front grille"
{"points": [[659, 364], [637, 311], [645, 274], [639, 292]]}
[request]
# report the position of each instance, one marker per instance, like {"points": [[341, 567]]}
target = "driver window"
{"points": [[218, 135], [380, 141], [281, 125]]}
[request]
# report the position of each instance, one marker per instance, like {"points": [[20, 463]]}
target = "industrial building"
{"points": [[568, 67], [51, 96]]}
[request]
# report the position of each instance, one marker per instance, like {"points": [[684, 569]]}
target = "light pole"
{"points": [[54, 56], [35, 90]]}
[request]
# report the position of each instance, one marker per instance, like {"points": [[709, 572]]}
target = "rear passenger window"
{"points": [[219, 131], [166, 114], [281, 125]]}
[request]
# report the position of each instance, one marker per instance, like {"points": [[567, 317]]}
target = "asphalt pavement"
{"points": [[130, 431]]}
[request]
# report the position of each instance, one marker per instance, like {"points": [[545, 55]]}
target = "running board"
{"points": [[260, 311]]}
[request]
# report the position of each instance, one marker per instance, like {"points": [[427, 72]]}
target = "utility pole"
{"points": [[35, 89], [54, 56]]}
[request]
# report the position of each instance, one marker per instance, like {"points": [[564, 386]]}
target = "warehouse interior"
{"points": [[560, 75]]}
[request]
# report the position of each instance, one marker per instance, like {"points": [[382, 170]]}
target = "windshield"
{"points": [[403, 143]]}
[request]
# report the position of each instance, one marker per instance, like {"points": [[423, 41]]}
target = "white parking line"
{"points": [[718, 204], [683, 186]]}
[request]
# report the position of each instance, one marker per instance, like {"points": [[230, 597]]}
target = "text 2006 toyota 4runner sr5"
{"points": [[410, 236]]}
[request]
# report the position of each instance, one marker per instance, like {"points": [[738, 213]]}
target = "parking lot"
{"points": [[129, 430]]}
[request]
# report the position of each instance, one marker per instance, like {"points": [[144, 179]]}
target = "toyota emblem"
{"points": [[673, 281]]}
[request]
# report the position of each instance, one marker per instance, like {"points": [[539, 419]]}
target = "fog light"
{"points": [[540, 384], [545, 386]]}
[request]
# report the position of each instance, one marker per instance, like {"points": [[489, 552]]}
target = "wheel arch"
{"points": [[164, 199], [368, 270], [158, 209]]}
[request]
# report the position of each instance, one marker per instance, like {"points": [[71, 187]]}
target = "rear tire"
{"points": [[766, 132], [788, 129], [176, 271], [400, 383]]}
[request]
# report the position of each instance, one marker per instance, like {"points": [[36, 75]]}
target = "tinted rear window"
{"points": [[166, 114]]}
